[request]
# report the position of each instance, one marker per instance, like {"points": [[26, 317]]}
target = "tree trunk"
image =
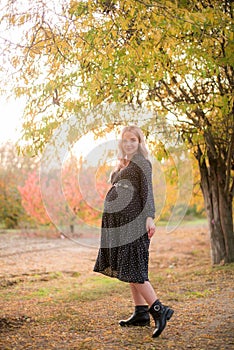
{"points": [[219, 209], [225, 209]]}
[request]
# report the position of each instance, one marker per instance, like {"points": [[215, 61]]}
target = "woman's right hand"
{"points": [[150, 227]]}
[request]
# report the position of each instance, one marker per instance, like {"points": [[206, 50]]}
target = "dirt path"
{"points": [[51, 299]]}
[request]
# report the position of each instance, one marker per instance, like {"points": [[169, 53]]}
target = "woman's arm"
{"points": [[146, 188], [147, 195]]}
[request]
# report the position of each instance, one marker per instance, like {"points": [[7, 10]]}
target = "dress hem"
{"points": [[121, 279]]}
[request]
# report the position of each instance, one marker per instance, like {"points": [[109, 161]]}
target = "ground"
{"points": [[51, 298]]}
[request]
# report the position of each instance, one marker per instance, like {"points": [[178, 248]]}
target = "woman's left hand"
{"points": [[150, 227]]}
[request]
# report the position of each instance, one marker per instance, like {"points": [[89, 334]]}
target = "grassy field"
{"points": [[51, 299]]}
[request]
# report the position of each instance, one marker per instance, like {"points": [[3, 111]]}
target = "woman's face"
{"points": [[130, 143]]}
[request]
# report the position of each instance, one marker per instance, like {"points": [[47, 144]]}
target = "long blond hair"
{"points": [[122, 161]]}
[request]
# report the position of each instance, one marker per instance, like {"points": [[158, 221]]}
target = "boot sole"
{"points": [[135, 324]]}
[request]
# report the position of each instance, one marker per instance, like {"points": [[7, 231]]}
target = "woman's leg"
{"points": [[144, 291], [140, 316], [160, 313], [137, 296]]}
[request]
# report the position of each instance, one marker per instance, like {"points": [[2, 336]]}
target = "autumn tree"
{"points": [[31, 199], [78, 196], [175, 57], [13, 171]]}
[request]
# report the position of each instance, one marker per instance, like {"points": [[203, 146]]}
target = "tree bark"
{"points": [[225, 208], [218, 204]]}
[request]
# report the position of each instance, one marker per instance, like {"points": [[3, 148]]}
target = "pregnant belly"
{"points": [[122, 200]]}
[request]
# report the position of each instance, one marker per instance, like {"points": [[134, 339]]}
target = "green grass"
{"points": [[41, 292], [62, 287], [95, 288], [185, 222], [58, 286], [197, 294], [226, 267]]}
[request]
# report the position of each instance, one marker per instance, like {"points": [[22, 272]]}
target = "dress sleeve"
{"points": [[146, 188], [113, 176]]}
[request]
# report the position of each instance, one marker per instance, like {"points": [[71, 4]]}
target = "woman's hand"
{"points": [[150, 227]]}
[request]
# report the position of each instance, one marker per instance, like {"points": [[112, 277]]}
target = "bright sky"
{"points": [[10, 120], [10, 127]]}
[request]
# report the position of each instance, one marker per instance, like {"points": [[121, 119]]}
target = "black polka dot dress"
{"points": [[124, 244]]}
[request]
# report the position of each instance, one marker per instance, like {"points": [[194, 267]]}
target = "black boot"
{"points": [[161, 314], [140, 317]]}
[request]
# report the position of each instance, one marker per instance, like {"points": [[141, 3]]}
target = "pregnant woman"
{"points": [[127, 227]]}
